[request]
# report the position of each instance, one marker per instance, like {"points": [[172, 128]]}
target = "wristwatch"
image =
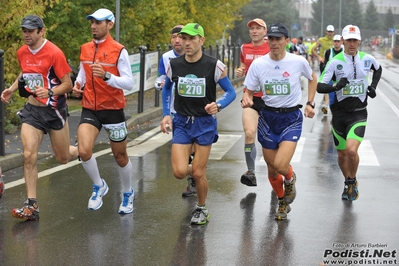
{"points": [[50, 93], [312, 104], [107, 76], [219, 107]]}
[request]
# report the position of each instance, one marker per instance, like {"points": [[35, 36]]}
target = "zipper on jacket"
{"points": [[354, 67], [92, 77]]}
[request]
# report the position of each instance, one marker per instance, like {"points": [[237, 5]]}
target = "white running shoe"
{"points": [[127, 202], [96, 199]]}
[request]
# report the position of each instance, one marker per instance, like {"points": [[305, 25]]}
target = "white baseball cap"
{"points": [[337, 37], [351, 32], [102, 14], [330, 28]]}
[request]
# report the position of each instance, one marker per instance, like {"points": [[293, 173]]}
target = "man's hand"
{"points": [[247, 99], [371, 92], [6, 95], [40, 92], [211, 108], [98, 70], [240, 72], [166, 123], [341, 84], [309, 111], [77, 90]]}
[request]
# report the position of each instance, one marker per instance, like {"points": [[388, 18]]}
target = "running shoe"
{"points": [[191, 189], [283, 209], [290, 190], [27, 212], [351, 192], [249, 179], [200, 215], [324, 109], [127, 202], [96, 199]]}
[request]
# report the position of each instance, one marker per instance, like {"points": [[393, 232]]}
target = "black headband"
{"points": [[176, 30]]}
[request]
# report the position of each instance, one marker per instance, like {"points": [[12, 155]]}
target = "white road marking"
{"points": [[145, 147], [367, 154], [389, 102], [223, 145], [298, 151]]}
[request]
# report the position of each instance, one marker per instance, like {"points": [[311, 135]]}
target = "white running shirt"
{"points": [[280, 80]]}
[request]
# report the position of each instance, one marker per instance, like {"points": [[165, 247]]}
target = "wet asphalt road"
{"points": [[321, 229]]}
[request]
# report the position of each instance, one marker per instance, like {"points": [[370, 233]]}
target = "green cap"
{"points": [[193, 29]]}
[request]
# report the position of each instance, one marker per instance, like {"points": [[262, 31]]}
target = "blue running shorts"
{"points": [[194, 129], [274, 127]]}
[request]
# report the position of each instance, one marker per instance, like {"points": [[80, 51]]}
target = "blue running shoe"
{"points": [[127, 202], [96, 199], [351, 192]]}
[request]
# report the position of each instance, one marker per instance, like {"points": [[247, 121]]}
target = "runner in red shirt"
{"points": [[44, 80], [249, 52]]}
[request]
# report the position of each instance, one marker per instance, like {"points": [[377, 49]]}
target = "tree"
{"points": [[350, 14], [371, 19], [12, 13], [271, 11], [389, 20], [142, 22]]}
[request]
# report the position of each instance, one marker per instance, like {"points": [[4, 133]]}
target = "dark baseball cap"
{"points": [[32, 22], [277, 30]]}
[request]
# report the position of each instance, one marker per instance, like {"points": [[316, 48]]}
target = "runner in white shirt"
{"points": [[280, 122], [349, 109]]}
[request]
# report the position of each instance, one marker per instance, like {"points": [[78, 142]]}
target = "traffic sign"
{"points": [[295, 26], [392, 31]]}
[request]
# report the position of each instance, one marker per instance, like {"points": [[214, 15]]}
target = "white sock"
{"points": [[92, 170], [288, 181], [126, 175]]}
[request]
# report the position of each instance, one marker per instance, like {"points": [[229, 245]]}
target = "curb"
{"points": [[14, 160]]}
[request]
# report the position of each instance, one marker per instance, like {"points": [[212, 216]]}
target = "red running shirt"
{"points": [[249, 53], [45, 68]]}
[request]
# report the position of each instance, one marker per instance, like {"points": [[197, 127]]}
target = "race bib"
{"points": [[277, 86], [116, 132], [33, 80], [354, 88], [191, 87]]}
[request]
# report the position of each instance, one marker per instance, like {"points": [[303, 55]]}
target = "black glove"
{"points": [[371, 92], [341, 84]]}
